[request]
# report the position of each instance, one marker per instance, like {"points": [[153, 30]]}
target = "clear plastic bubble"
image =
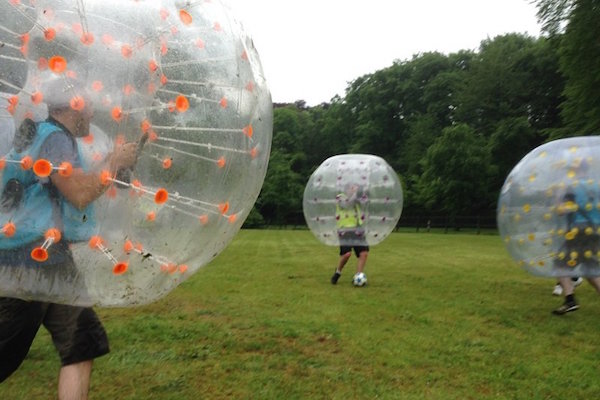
{"points": [[184, 81], [351, 199], [549, 209]]}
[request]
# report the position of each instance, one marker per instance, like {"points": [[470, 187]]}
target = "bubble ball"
{"points": [[182, 80], [549, 209], [352, 199]]}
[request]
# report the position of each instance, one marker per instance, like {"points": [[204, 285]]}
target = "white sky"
{"points": [[311, 49]]}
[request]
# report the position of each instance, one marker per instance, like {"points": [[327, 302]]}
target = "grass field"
{"points": [[443, 317]]}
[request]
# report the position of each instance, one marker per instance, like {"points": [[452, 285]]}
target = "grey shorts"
{"points": [[76, 332]]}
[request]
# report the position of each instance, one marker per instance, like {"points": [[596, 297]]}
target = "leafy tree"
{"points": [[456, 173]]}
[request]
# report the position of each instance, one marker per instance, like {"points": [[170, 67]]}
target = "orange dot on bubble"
{"points": [[248, 131], [164, 14], [26, 163], [97, 86], [128, 246], [95, 241], [88, 139], [203, 219], [9, 229], [49, 34], [120, 268], [145, 125], [37, 97], [65, 169], [224, 207], [25, 38], [107, 39], [183, 268], [87, 38], [2, 163], [42, 64], [232, 218], [53, 234], [151, 216], [161, 196], [77, 103], [42, 168], [105, 177], [253, 152], [153, 65], [250, 86], [185, 17], [128, 89], [223, 103], [167, 162], [163, 80], [221, 162], [182, 103], [39, 254], [126, 50], [217, 27], [117, 114], [200, 43], [57, 64]]}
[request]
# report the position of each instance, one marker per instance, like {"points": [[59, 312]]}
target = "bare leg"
{"points": [[567, 285], [595, 282], [362, 260], [343, 260], [74, 381]]}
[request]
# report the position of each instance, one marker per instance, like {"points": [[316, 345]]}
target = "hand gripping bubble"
{"points": [[182, 84], [352, 200], [549, 209]]}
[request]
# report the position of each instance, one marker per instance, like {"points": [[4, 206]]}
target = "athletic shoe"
{"points": [[557, 290], [566, 308], [578, 282], [335, 277]]}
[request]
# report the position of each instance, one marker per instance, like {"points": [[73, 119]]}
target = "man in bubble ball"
{"points": [[77, 332], [582, 240], [349, 220]]}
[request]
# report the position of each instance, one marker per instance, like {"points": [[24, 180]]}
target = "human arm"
{"points": [[81, 188]]}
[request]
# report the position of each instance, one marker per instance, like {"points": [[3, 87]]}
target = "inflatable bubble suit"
{"points": [[179, 78], [549, 209], [352, 200]]}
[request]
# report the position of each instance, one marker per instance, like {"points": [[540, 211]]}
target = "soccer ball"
{"points": [[359, 279]]}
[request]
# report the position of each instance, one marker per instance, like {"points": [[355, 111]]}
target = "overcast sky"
{"points": [[311, 49]]}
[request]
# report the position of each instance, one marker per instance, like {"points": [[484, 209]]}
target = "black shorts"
{"points": [[357, 249], [76, 332]]}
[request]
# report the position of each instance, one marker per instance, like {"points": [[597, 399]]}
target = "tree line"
{"points": [[452, 126]]}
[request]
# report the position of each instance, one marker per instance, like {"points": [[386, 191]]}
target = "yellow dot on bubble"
{"points": [[573, 149], [588, 254], [571, 174], [571, 263], [532, 263], [542, 154], [507, 239], [570, 235], [521, 241], [573, 254], [548, 242], [521, 263], [589, 206], [517, 217], [547, 216], [561, 255], [541, 263], [531, 177], [560, 232], [526, 208], [589, 230], [531, 237]]}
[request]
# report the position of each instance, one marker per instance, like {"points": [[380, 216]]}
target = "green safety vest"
{"points": [[348, 217]]}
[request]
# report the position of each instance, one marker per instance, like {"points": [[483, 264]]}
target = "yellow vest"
{"points": [[348, 218]]}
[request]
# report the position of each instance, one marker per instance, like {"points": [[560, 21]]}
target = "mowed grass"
{"points": [[444, 316]]}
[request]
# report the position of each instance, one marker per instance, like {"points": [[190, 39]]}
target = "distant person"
{"points": [[77, 333], [582, 241], [351, 234]]}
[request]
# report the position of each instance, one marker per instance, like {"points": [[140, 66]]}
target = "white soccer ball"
{"points": [[360, 279]]}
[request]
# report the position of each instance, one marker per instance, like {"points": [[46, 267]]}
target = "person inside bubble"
{"points": [[64, 202], [581, 246], [350, 217]]}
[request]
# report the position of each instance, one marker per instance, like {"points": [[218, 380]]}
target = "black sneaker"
{"points": [[335, 277], [566, 308]]}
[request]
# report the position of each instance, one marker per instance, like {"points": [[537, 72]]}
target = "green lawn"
{"points": [[443, 317]]}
